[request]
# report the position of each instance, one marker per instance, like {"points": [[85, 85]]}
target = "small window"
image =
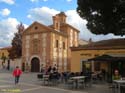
{"points": [[36, 27], [57, 43], [97, 66], [96, 55], [63, 45], [2, 54], [56, 25]]}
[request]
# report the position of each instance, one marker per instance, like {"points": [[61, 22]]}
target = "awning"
{"points": [[108, 58], [116, 55]]}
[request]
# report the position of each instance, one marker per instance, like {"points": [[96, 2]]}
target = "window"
{"points": [[36, 27], [35, 44], [57, 43], [97, 66], [56, 26], [2, 54], [63, 45], [96, 55]]}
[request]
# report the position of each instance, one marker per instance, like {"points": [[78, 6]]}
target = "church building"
{"points": [[45, 46]]}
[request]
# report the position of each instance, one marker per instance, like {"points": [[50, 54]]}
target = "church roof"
{"points": [[49, 29], [118, 43], [70, 26]]}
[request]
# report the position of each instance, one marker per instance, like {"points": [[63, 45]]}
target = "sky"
{"points": [[12, 12]]}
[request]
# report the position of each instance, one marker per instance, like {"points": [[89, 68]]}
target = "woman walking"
{"points": [[16, 73]]}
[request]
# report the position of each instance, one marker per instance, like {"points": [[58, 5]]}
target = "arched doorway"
{"points": [[35, 65]]}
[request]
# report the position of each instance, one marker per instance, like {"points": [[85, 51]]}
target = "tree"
{"points": [[103, 16], [3, 60], [3, 57], [16, 50]]}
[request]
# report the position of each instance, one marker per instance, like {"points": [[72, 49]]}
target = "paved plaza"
{"points": [[30, 84]]}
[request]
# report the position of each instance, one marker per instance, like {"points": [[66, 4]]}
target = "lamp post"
{"points": [[8, 64]]}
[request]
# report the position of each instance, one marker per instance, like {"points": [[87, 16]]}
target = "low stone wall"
{"points": [[13, 64]]}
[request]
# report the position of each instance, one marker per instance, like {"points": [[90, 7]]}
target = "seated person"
{"points": [[116, 75]]}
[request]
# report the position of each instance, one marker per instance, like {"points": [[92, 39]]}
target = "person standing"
{"points": [[16, 73]]}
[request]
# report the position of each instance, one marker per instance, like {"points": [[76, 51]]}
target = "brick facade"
{"points": [[49, 45]]}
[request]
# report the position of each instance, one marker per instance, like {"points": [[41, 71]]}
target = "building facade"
{"points": [[49, 45], [81, 56], [4, 56], [4, 52]]}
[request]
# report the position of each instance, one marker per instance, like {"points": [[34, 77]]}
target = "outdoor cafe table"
{"points": [[119, 83], [76, 79], [45, 79]]}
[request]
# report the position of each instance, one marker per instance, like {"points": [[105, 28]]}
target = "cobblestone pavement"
{"points": [[30, 84]]}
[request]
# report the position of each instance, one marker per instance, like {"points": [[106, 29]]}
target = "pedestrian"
{"points": [[42, 69], [16, 73], [49, 70], [54, 68]]}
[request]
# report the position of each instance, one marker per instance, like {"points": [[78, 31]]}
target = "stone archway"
{"points": [[35, 65]]}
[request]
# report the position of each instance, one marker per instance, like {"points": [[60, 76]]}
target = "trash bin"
{"points": [[39, 76], [122, 88]]}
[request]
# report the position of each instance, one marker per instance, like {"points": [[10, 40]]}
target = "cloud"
{"points": [[7, 30], [44, 16], [38, 0], [8, 1], [5, 12], [69, 0], [34, 0], [74, 20], [45, 0]]}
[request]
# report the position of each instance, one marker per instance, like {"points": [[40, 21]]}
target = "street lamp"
{"points": [[8, 64]]}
